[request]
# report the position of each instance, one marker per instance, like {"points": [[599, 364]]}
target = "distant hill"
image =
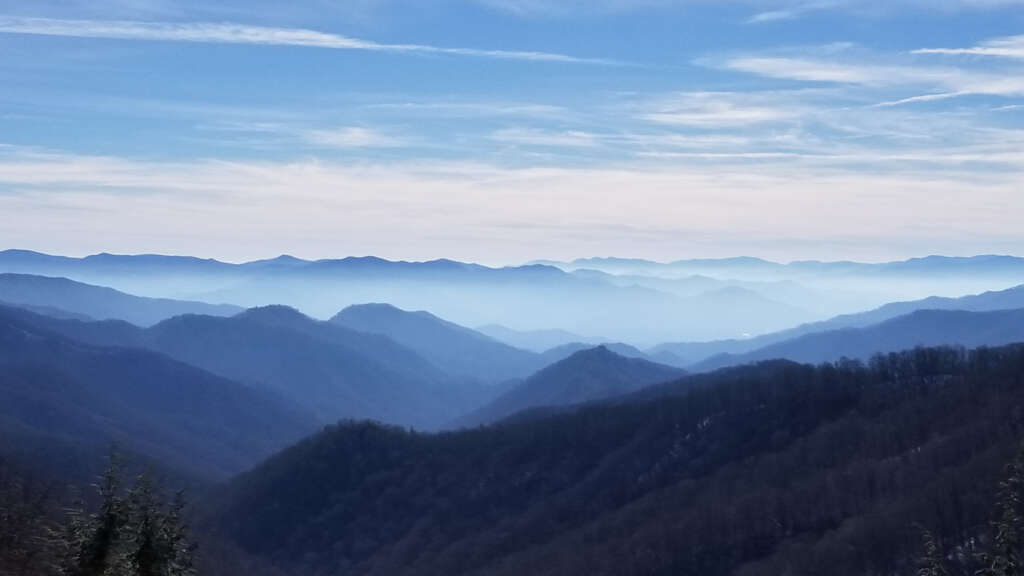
{"points": [[559, 353], [756, 471], [986, 264], [329, 370], [690, 353], [469, 294], [453, 348], [75, 298], [50, 311], [587, 375], [919, 328], [56, 392], [535, 340]]}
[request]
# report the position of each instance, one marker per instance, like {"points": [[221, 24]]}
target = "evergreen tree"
{"points": [[93, 538], [932, 564], [1006, 554], [137, 534]]}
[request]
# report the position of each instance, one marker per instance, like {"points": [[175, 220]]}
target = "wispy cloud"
{"points": [[471, 109], [951, 81], [921, 98], [1006, 47], [563, 8], [221, 33], [770, 10], [546, 138], [716, 110], [354, 137], [792, 11]]}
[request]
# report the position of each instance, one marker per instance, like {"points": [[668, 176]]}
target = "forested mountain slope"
{"points": [[62, 395], [770, 469], [330, 371]]}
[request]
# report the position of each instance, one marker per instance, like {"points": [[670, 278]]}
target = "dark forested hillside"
{"points": [[590, 374], [770, 469], [66, 297], [60, 399]]}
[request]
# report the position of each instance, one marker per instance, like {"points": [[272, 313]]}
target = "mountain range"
{"points": [[455, 349], [60, 296], [59, 394], [988, 265], [919, 328], [330, 371], [525, 298], [691, 353]]}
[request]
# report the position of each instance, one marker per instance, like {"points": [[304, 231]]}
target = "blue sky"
{"points": [[505, 130]]}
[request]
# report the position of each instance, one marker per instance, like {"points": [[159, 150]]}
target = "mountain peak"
{"points": [[274, 314]]}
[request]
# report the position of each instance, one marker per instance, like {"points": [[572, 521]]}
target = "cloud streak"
{"points": [[229, 33], [951, 81], [1006, 47]]}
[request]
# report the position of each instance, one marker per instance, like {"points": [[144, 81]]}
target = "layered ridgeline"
{"points": [[536, 340], [63, 403], [767, 469], [532, 296], [687, 354], [455, 349], [585, 376], [920, 328], [330, 371], [69, 299], [987, 266]]}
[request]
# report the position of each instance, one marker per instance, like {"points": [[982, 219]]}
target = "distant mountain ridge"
{"points": [[704, 300], [98, 302], [930, 264], [918, 328], [30, 260], [454, 348], [329, 370], [689, 353], [591, 374], [536, 340]]}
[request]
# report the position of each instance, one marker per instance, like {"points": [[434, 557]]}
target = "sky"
{"points": [[502, 131]]}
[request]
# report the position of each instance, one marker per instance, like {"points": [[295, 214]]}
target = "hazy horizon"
{"points": [[79, 254], [503, 130]]}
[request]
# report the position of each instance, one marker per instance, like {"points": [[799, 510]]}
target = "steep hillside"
{"points": [[762, 470], [181, 417]]}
